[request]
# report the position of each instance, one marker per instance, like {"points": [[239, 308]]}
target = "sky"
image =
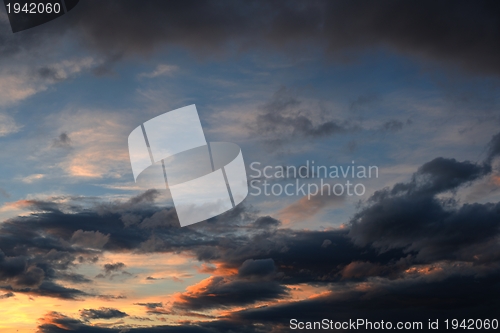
{"points": [[411, 88]]}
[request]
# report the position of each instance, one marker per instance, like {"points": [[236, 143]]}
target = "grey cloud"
{"points": [[418, 300], [109, 268], [265, 222], [102, 313], [49, 73], [493, 148], [89, 239], [63, 141], [362, 101], [223, 292], [51, 289], [258, 268], [467, 37], [143, 200], [439, 175], [392, 126], [411, 224], [150, 305], [165, 217], [55, 322], [412, 217], [7, 295], [326, 243]]}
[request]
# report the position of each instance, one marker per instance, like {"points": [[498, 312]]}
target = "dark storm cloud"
{"points": [[221, 293], [256, 281], [266, 222], [464, 33], [102, 313], [11, 267], [414, 299], [413, 217], [257, 268], [299, 256], [39, 250]]}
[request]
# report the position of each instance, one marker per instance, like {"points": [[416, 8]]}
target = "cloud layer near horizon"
{"points": [[407, 248]]}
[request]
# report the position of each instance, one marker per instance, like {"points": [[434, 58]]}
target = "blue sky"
{"points": [[373, 89]]}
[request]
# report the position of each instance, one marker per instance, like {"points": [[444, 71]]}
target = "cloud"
{"points": [[89, 239], [8, 125], [409, 28], [392, 126], [413, 236], [415, 216], [32, 178], [55, 322], [96, 142], [283, 120], [62, 141], [257, 268], [363, 101], [266, 222], [161, 70], [102, 313], [165, 217], [7, 295], [150, 305], [64, 69], [40, 252], [392, 300], [22, 80], [108, 268], [326, 243], [493, 148], [337, 27], [221, 292]]}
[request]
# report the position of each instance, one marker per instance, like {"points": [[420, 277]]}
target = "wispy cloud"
{"points": [[160, 70], [7, 123], [32, 178]]}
